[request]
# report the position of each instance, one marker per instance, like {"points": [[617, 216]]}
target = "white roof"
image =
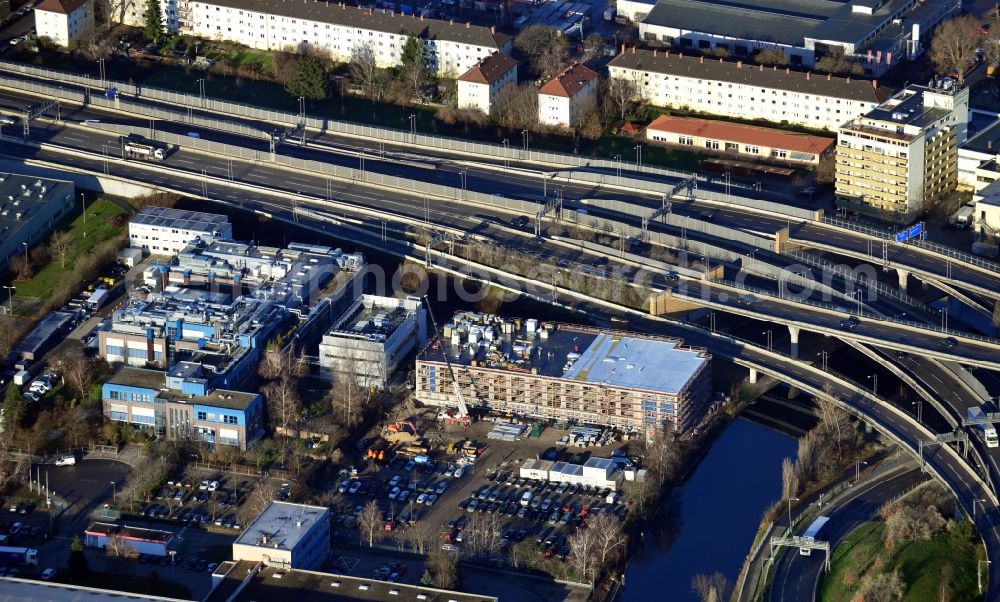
{"points": [[649, 364], [282, 525]]}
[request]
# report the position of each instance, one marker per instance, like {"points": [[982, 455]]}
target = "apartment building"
{"points": [[901, 155], [63, 21], [335, 29], [165, 231], [288, 536], [734, 89], [180, 404], [565, 372], [565, 98], [750, 141], [481, 86]]}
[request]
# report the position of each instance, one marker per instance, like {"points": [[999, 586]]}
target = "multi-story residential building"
{"points": [[288, 536], [735, 89], [481, 86], [565, 98], [901, 155], [335, 29], [180, 404], [63, 21], [875, 33], [29, 207], [741, 140], [564, 372], [165, 231], [372, 336], [977, 158]]}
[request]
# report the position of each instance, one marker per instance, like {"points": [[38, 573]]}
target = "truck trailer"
{"points": [[138, 147]]}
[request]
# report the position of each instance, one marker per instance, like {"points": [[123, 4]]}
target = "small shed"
{"points": [[130, 257]]}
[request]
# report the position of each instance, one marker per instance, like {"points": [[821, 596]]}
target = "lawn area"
{"points": [[85, 236], [150, 585], [948, 560]]}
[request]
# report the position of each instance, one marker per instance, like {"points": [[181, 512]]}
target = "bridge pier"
{"points": [[753, 376], [793, 334], [904, 278], [793, 392]]}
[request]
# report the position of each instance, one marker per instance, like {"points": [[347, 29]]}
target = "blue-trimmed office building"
{"points": [[179, 404]]}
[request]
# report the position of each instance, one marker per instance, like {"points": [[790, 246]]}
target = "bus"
{"points": [[812, 532]]}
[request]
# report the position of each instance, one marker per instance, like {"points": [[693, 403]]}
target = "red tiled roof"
{"points": [[743, 134], [569, 82], [489, 69], [64, 7]]}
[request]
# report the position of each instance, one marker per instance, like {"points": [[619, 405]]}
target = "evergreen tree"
{"points": [[309, 79], [413, 53], [14, 409], [77, 566], [153, 30]]}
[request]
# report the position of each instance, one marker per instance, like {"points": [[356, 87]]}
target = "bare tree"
{"points": [[121, 552], [282, 369], [789, 479], [608, 536], [770, 57], [581, 553], [78, 372], [517, 106], [113, 11], [442, 569], [263, 493], [482, 536], [60, 246], [954, 44], [348, 399], [370, 522], [421, 535], [711, 588], [882, 587], [365, 72], [544, 47], [593, 47], [619, 92]]}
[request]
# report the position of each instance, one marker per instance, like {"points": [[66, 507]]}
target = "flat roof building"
{"points": [[44, 336], [155, 542], [286, 536], [29, 208], [370, 338], [165, 231], [562, 371]]}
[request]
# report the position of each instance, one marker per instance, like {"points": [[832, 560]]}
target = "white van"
{"points": [[66, 461], [526, 499]]}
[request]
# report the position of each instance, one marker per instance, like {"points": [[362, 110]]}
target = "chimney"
{"points": [[875, 84], [848, 79], [654, 52], [666, 54], [623, 48], [493, 30], [739, 64], [989, 144], [468, 24], [421, 17], [451, 21], [633, 50], [761, 68], [787, 70]]}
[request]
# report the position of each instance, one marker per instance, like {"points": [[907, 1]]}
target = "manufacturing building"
{"points": [[332, 29], [29, 208], [161, 329], [738, 90], [875, 33], [370, 338], [63, 21], [179, 404], [248, 581], [295, 277], [165, 231], [566, 98], [48, 333], [903, 154], [740, 140], [153, 542], [603, 473], [481, 86], [286, 536], [565, 372]]}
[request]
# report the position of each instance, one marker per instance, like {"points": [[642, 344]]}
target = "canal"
{"points": [[710, 523]]}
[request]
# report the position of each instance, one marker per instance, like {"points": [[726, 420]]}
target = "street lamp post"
{"points": [[465, 176], [770, 338], [413, 128], [874, 379], [638, 157], [10, 298], [857, 470], [506, 155], [201, 90], [114, 497], [790, 500], [524, 134], [979, 573], [100, 66], [825, 355], [920, 409]]}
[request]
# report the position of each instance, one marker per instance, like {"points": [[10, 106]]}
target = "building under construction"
{"points": [[565, 372]]}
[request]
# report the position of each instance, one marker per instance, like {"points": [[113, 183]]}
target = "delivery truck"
{"points": [[988, 431]]}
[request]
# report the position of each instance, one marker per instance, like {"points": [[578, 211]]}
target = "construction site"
{"points": [[482, 362]]}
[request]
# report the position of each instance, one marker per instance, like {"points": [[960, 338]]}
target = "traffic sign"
{"points": [[916, 230], [901, 236]]}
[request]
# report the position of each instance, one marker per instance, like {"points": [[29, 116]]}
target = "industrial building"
{"points": [[29, 208], [165, 231], [247, 581], [903, 154], [565, 372], [875, 33], [370, 338], [286, 536], [734, 89], [144, 541], [180, 404], [595, 472], [44, 336]]}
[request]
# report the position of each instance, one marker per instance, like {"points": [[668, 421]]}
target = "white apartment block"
{"points": [[133, 13], [329, 28], [163, 231], [481, 86], [63, 20], [732, 89], [563, 100]]}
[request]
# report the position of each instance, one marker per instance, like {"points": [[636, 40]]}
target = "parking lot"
{"points": [[528, 510]]}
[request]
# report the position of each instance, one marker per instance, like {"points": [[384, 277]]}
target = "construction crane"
{"points": [[463, 410]]}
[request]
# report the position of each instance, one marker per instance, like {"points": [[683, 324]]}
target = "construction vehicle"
{"points": [[137, 147], [403, 431], [463, 410], [380, 451]]}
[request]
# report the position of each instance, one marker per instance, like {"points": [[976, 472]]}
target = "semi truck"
{"points": [[139, 148], [812, 533], [988, 430], [11, 555]]}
